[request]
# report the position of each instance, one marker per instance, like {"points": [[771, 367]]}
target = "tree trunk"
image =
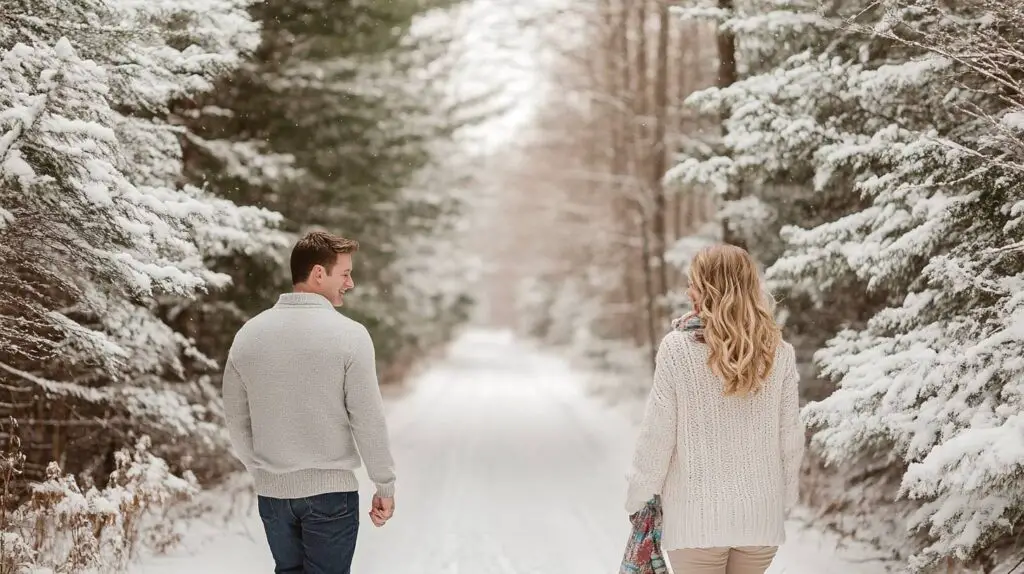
{"points": [[642, 156], [726, 50], [645, 253], [632, 100], [619, 86], [727, 77], [685, 49], [659, 163]]}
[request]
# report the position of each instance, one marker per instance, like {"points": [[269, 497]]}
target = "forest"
{"points": [[869, 154], [158, 159]]}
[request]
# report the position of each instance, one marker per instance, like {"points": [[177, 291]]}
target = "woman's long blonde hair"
{"points": [[736, 314]]}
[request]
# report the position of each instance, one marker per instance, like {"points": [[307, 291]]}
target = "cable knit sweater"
{"points": [[726, 467]]}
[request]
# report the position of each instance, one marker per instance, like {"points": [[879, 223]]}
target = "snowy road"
{"points": [[505, 466]]}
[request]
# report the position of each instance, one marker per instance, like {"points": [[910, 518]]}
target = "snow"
{"points": [[1014, 120], [507, 464], [700, 12]]}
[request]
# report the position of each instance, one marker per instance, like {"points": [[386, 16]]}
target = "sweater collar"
{"points": [[303, 300]]}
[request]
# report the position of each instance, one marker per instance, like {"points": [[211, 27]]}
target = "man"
{"points": [[300, 396]]}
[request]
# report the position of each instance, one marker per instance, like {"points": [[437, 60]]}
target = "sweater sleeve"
{"points": [[792, 430], [236, 413], [657, 438], [365, 408]]}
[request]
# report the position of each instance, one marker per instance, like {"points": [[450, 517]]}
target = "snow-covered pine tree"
{"points": [[903, 130], [768, 32], [96, 222], [938, 376], [356, 95], [762, 164], [424, 292]]}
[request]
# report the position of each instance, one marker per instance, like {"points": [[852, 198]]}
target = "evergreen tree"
{"points": [[763, 163], [95, 222], [353, 95], [903, 131]]}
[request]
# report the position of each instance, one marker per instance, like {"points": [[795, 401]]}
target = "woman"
{"points": [[721, 440]]}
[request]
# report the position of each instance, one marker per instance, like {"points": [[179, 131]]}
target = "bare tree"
{"points": [[600, 147]]}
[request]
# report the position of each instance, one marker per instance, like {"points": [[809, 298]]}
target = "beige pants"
{"points": [[742, 560]]}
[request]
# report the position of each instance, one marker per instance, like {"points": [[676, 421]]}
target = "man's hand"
{"points": [[382, 510]]}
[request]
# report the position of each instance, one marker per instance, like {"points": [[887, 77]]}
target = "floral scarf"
{"points": [[643, 550]]}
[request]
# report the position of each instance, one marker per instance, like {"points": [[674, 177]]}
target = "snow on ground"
{"points": [[505, 465]]}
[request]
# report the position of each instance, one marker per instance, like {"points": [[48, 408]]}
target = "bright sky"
{"points": [[500, 47]]}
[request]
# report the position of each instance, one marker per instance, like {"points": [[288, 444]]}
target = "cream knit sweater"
{"points": [[726, 467]]}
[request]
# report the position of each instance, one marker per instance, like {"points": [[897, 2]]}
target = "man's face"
{"points": [[334, 284]]}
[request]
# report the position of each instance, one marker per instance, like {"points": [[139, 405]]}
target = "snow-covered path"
{"points": [[505, 466]]}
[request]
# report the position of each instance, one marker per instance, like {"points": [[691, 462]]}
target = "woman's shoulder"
{"points": [[681, 345], [785, 358], [686, 340], [785, 349], [678, 339]]}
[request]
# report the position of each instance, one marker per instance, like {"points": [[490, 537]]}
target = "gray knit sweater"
{"points": [[300, 395]]}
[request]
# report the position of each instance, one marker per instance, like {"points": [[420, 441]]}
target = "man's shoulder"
{"points": [[331, 328], [338, 329], [356, 337], [348, 326], [255, 322]]}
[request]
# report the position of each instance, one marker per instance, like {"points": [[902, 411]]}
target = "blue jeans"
{"points": [[312, 535]]}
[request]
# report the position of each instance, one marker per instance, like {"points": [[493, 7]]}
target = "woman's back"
{"points": [[727, 485], [721, 440]]}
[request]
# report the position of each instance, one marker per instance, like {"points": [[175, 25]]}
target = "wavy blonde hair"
{"points": [[736, 313]]}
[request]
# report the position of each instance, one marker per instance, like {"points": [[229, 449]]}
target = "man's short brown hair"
{"points": [[318, 248]]}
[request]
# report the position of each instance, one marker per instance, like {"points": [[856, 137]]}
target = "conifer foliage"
{"points": [[157, 159], [350, 99], [894, 131], [97, 223]]}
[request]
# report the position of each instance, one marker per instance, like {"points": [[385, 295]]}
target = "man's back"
{"points": [[307, 378], [302, 404]]}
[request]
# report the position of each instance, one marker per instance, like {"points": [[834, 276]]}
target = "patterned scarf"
{"points": [[643, 549], [690, 323]]}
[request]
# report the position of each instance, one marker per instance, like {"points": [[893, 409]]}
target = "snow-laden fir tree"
{"points": [[356, 96], [758, 193], [905, 127], [95, 221], [767, 33], [433, 272]]}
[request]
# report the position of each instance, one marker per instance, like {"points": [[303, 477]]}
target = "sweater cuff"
{"points": [[386, 490], [635, 502]]}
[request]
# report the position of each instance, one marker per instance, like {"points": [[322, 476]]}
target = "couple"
{"points": [[721, 440]]}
